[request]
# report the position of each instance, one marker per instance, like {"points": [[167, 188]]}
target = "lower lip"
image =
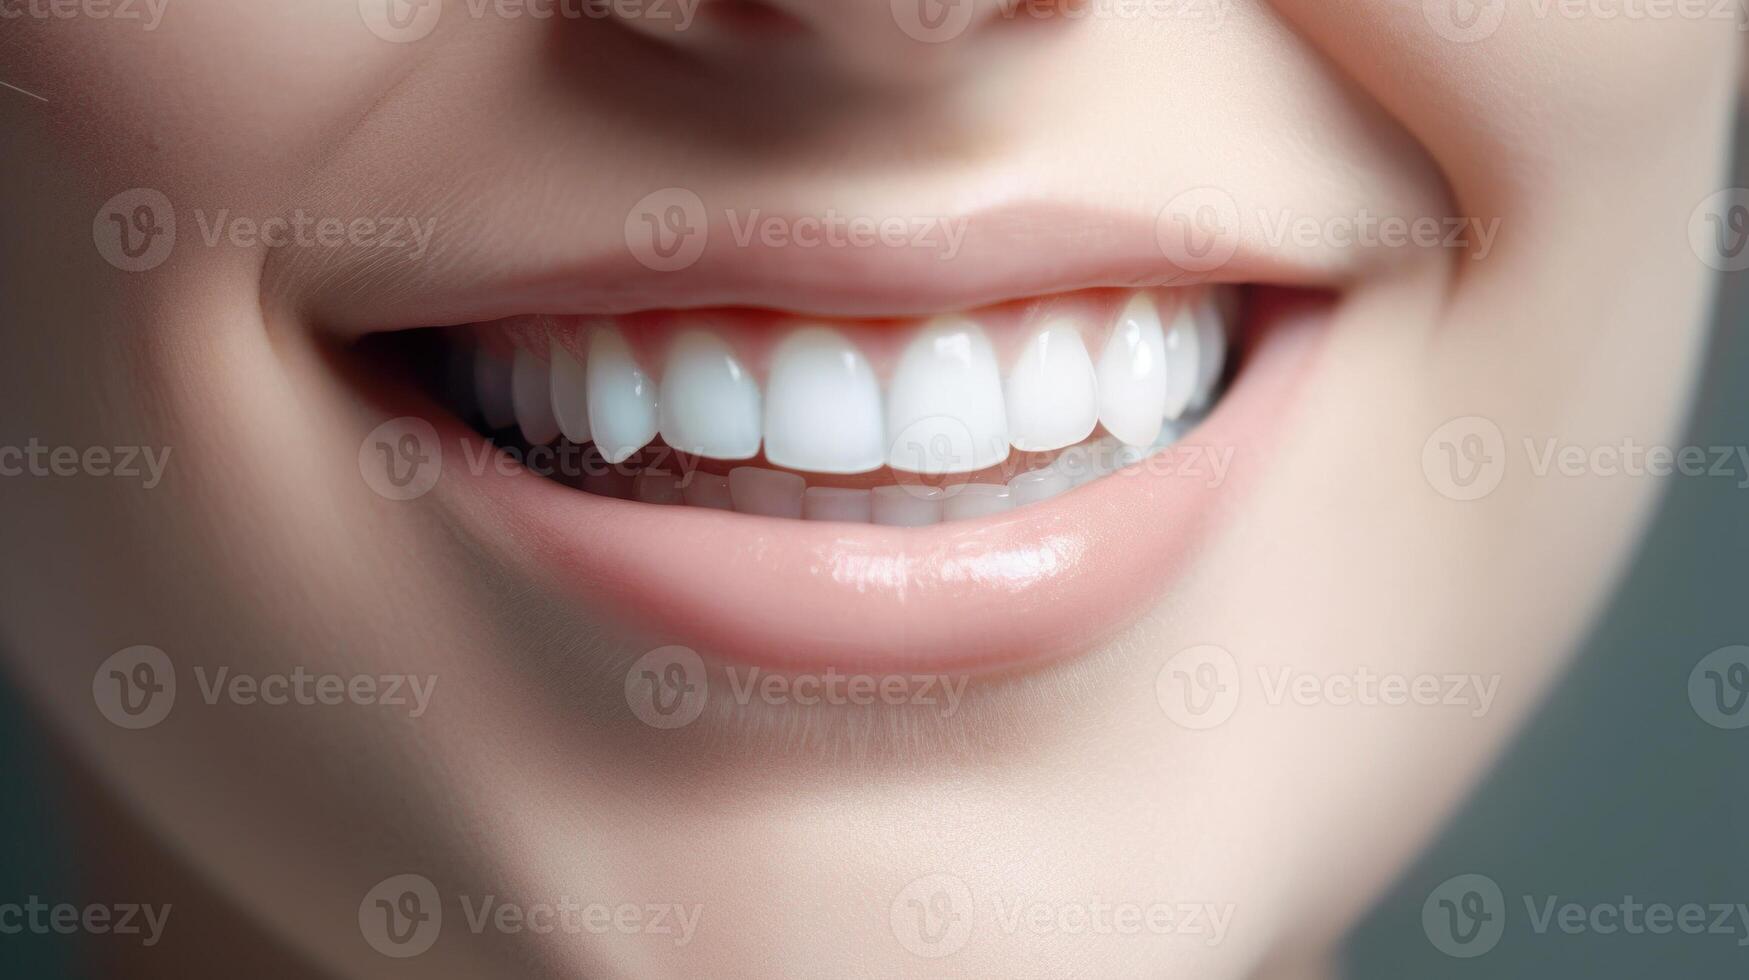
{"points": [[1052, 580]]}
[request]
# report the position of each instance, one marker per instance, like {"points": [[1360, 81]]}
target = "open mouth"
{"points": [[874, 462], [902, 423]]}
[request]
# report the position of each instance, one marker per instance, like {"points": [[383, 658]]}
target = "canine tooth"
{"points": [[1211, 350], [570, 395], [1132, 374], [1183, 361], [492, 390], [1030, 488], [1053, 392], [709, 490], [976, 500], [622, 399], [767, 493], [898, 506], [837, 504], [532, 399], [709, 403], [823, 406], [657, 488], [944, 410]]}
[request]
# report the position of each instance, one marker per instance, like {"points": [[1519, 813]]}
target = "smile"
{"points": [[977, 489]]}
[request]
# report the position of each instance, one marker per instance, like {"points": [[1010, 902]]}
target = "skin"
{"points": [[1591, 140]]}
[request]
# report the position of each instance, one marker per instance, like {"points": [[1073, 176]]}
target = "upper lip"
{"points": [[1007, 252]]}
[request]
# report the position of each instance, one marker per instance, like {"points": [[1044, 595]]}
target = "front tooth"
{"points": [[944, 411], [897, 506], [570, 394], [823, 406], [1030, 488], [766, 493], [532, 399], [709, 403], [1183, 361], [1053, 392], [657, 488], [1211, 350], [492, 384], [622, 399], [708, 490], [837, 504], [976, 500], [1132, 375]]}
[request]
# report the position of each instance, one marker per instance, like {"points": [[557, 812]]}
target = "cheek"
{"points": [[218, 99], [1524, 100]]}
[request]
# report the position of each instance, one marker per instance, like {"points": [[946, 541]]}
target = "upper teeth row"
{"points": [[947, 408]]}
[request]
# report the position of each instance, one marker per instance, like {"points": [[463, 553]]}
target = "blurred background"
{"points": [[1618, 791]]}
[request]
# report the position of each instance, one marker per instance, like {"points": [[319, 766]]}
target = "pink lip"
{"points": [[1051, 580], [1007, 252]]}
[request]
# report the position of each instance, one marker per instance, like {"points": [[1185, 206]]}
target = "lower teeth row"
{"points": [[672, 479]]}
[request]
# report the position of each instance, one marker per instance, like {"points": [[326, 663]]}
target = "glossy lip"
{"points": [[1051, 580]]}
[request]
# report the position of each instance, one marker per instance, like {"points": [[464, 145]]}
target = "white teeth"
{"points": [[532, 399], [622, 398], [906, 506], [945, 412], [570, 401], [1211, 350], [492, 386], [1132, 375], [709, 403], [823, 406], [1183, 361], [658, 488], [708, 490], [766, 493], [976, 500], [837, 504], [1030, 488], [1053, 392]]}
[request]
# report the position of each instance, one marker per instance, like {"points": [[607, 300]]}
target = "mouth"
{"points": [[961, 492]]}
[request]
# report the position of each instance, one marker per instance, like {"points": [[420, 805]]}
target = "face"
{"points": [[797, 599]]}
